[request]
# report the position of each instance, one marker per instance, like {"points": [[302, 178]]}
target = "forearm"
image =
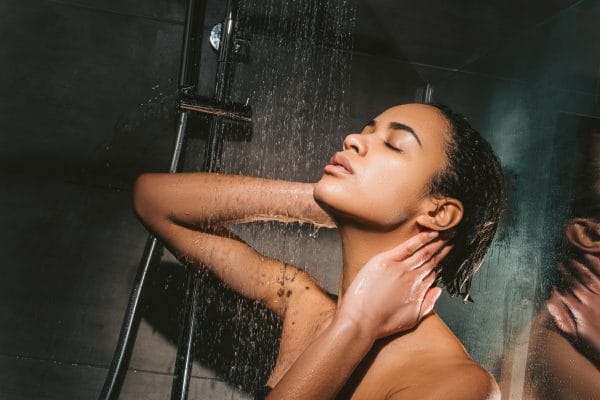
{"points": [[201, 199], [326, 365], [187, 212]]}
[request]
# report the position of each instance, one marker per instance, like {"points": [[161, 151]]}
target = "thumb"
{"points": [[429, 300]]}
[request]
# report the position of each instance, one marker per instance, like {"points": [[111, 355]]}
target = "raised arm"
{"points": [[188, 212], [203, 199]]}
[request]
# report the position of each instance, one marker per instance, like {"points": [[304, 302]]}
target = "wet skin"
{"points": [[374, 192]]}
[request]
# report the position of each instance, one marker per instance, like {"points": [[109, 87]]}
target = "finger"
{"points": [[430, 278], [431, 267], [567, 276], [433, 262], [424, 254], [593, 262], [568, 298], [584, 275], [580, 292], [573, 305], [432, 295], [424, 271], [440, 255], [561, 315], [575, 288], [420, 281], [408, 247]]}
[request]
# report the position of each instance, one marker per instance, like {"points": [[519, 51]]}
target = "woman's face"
{"points": [[380, 178]]}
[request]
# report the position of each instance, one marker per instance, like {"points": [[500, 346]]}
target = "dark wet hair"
{"points": [[474, 176]]}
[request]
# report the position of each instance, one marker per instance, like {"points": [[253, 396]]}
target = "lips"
{"points": [[339, 163]]}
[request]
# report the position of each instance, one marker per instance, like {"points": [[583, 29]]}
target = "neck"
{"points": [[360, 243]]}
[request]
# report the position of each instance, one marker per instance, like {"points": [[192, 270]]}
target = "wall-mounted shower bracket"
{"points": [[202, 105], [241, 46], [219, 109]]}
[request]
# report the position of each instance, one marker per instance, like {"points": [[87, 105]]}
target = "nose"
{"points": [[356, 142]]}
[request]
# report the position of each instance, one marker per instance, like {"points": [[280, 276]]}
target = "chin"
{"points": [[325, 194], [334, 197], [345, 206]]}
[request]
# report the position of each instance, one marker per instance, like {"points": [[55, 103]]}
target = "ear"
{"points": [[585, 234], [441, 213]]}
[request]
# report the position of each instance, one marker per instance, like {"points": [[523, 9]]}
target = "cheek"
{"points": [[391, 197]]}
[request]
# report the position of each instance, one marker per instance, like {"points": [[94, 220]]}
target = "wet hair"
{"points": [[474, 176]]}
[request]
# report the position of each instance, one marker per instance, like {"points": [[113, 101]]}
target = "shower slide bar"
{"points": [[235, 112], [219, 108]]}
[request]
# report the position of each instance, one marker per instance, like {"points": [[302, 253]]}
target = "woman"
{"points": [[416, 171]]}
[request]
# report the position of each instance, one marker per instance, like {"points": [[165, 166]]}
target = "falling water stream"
{"points": [[295, 81]]}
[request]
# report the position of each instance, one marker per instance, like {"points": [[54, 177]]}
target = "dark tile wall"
{"points": [[86, 104], [87, 94]]}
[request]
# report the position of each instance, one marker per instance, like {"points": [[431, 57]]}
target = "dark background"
{"points": [[87, 93]]}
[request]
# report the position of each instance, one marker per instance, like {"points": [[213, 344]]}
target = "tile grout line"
{"points": [[73, 182], [148, 17], [459, 69], [98, 366]]}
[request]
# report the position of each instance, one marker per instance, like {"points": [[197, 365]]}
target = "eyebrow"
{"points": [[398, 126]]}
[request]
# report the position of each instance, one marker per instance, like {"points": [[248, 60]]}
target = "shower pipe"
{"points": [[218, 108], [212, 156]]}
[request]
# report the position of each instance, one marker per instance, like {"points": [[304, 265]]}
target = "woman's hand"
{"points": [[577, 311], [393, 292]]}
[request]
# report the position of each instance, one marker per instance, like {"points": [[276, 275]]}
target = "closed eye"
{"points": [[392, 147]]}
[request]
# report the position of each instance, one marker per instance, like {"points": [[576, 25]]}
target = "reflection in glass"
{"points": [[564, 346]]}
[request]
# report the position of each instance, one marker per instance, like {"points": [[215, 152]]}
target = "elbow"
{"points": [[144, 203]]}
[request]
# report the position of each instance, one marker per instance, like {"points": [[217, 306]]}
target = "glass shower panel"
{"points": [[535, 98]]}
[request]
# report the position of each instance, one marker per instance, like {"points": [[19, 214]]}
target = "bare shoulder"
{"points": [[470, 381], [459, 380]]}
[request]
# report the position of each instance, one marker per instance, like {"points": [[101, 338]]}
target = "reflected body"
{"points": [[564, 355]]}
